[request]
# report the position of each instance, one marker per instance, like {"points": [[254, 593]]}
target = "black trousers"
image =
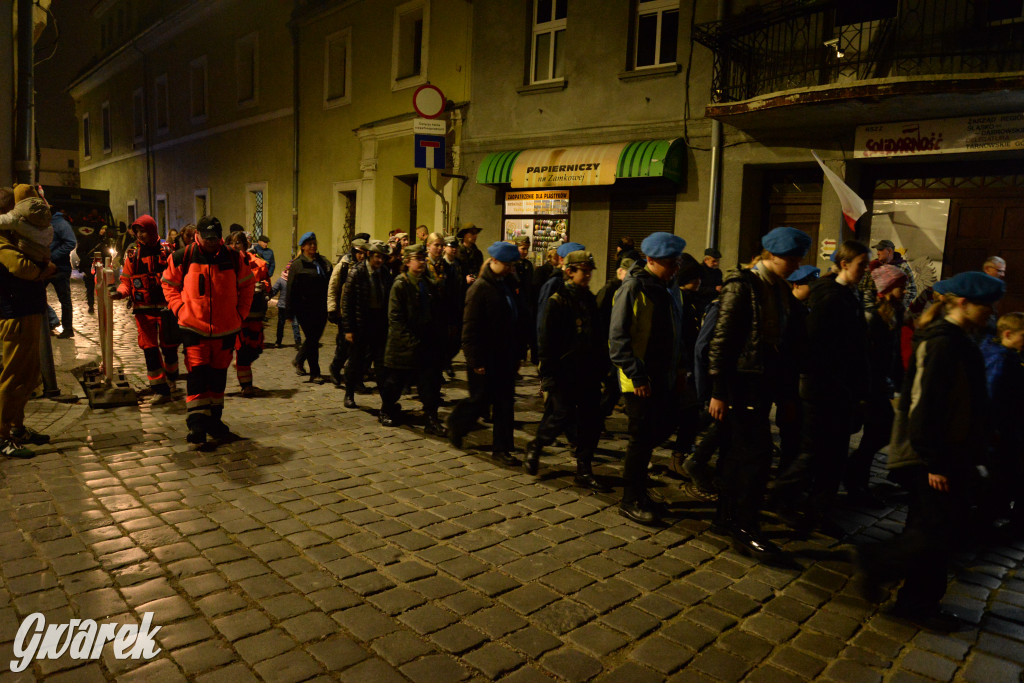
{"points": [[427, 378], [651, 421], [920, 555], [744, 463], [611, 391], [878, 419], [341, 351], [689, 420], [89, 278], [309, 352], [575, 406], [367, 348], [497, 388]]}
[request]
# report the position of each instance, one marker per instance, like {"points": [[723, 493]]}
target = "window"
{"points": [[547, 58], [409, 48], [247, 69], [163, 105], [338, 69], [105, 124], [86, 137], [657, 32], [138, 117], [197, 86], [201, 204], [256, 209], [133, 210], [161, 214]]}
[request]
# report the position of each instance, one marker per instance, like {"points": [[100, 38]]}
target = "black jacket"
{"points": [[605, 298], [572, 345], [836, 364], [356, 297], [307, 287], [471, 258], [489, 325], [884, 355], [415, 326]]}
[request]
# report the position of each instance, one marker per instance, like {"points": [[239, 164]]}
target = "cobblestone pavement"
{"points": [[323, 546]]}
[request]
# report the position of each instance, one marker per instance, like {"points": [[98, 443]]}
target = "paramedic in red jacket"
{"points": [[250, 339], [144, 263], [210, 290]]}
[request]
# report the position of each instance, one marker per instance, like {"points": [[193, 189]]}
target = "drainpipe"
{"points": [[715, 198], [295, 135], [24, 122]]}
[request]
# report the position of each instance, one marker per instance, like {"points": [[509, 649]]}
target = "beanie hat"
{"points": [[22, 191], [888, 278]]}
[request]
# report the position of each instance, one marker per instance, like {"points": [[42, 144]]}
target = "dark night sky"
{"points": [[55, 111]]}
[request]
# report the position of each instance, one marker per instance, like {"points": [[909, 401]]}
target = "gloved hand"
{"points": [[334, 317], [114, 294]]}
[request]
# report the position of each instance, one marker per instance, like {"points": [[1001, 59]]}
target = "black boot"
{"points": [[196, 429], [434, 425], [585, 476], [532, 462], [350, 399]]}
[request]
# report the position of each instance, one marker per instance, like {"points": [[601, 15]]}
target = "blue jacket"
{"points": [[267, 255], [280, 288], [63, 243]]}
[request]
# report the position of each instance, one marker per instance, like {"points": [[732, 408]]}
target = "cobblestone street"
{"points": [[321, 545]]}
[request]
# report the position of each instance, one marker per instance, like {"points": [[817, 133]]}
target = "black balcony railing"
{"points": [[790, 44]]}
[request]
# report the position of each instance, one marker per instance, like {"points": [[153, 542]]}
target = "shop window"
{"points": [[547, 53], [409, 48], [163, 104], [138, 117], [105, 125], [86, 137], [656, 33], [198, 89], [338, 69], [247, 69]]}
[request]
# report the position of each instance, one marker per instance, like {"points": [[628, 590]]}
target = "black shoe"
{"points": [[279, 343], [386, 420], [28, 435], [196, 436], [92, 310], [361, 389], [217, 429], [930, 619], [299, 370], [532, 462], [434, 426], [318, 379], [505, 458], [350, 401], [589, 481], [636, 513], [66, 334], [754, 544], [699, 473], [454, 436], [336, 377]]}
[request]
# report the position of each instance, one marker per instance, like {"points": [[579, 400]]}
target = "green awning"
{"points": [[569, 166]]}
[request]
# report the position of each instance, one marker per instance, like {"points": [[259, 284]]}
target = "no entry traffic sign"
{"points": [[429, 101]]}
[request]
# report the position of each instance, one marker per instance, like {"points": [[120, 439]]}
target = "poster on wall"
{"points": [[543, 216]]}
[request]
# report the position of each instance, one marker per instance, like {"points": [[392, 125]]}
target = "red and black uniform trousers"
{"points": [[159, 338], [249, 347], [207, 360]]}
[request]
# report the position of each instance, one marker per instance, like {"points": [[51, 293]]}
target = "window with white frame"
{"points": [[86, 137], [256, 209], [201, 204], [547, 54], [409, 48], [138, 117], [198, 88], [247, 55], [338, 68], [161, 214], [656, 33], [163, 104], [105, 125], [133, 210]]}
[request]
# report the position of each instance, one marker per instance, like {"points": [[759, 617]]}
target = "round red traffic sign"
{"points": [[428, 101]]}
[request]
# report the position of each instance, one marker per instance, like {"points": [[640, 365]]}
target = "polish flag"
{"points": [[853, 206]]}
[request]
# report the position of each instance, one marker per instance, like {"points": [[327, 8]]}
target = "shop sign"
{"points": [[545, 203], [567, 166], [989, 133]]}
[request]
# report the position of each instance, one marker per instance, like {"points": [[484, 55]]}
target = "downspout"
{"points": [[26, 91], [295, 134], [150, 161], [715, 191]]}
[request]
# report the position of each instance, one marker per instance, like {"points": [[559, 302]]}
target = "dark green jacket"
{"points": [[645, 339], [572, 344], [415, 326]]}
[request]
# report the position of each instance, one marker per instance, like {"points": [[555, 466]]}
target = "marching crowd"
{"points": [[697, 358]]}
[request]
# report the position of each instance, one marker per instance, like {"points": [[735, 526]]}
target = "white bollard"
{"points": [[105, 278]]}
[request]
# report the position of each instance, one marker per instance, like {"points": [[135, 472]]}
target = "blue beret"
{"points": [[973, 285], [504, 252], [804, 273], [787, 242], [569, 247], [662, 245], [307, 236]]}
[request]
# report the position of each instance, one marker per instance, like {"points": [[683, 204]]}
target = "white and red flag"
{"points": [[853, 206]]}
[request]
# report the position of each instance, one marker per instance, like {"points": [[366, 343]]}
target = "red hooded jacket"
{"points": [[144, 263]]}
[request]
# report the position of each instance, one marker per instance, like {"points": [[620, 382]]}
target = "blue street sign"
{"points": [[429, 151]]}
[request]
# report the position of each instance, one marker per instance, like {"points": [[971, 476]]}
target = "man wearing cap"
{"points": [[752, 364], [263, 250], [364, 318], [414, 347], [144, 263], [573, 359], [942, 422], [308, 277], [528, 300], [710, 277], [250, 338], [557, 279], [489, 344], [469, 254], [887, 254], [645, 344], [209, 289], [339, 276], [454, 301]]}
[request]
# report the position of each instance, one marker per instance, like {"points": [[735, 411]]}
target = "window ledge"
{"points": [[650, 72], [543, 86]]}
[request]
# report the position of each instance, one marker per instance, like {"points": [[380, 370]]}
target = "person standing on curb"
{"points": [[308, 277]]}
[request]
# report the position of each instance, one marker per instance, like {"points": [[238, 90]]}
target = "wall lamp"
{"points": [[834, 44]]}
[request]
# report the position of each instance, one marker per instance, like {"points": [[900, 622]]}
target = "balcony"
{"points": [[854, 57]]}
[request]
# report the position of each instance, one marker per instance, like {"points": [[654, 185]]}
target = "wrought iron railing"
{"points": [[788, 44]]}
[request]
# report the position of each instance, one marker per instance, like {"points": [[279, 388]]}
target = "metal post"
{"points": [[444, 201], [105, 277], [23, 123], [49, 372]]}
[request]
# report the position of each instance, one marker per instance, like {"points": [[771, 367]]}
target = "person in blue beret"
{"points": [[646, 346], [556, 281], [941, 428], [308, 276], [752, 360], [490, 345]]}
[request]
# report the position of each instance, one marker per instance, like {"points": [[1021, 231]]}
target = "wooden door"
{"points": [[798, 209], [979, 228]]}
